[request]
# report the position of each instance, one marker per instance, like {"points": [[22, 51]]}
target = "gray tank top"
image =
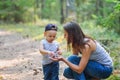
{"points": [[101, 55], [50, 47]]}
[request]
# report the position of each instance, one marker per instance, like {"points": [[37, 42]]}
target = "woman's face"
{"points": [[65, 35]]}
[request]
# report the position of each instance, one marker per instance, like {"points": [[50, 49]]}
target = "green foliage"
{"points": [[84, 9], [14, 10], [111, 21], [51, 10], [28, 10], [114, 77]]}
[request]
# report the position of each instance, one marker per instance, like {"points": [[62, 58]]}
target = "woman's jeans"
{"points": [[92, 70], [51, 71]]}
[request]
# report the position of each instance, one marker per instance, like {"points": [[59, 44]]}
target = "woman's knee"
{"points": [[68, 73], [74, 59]]}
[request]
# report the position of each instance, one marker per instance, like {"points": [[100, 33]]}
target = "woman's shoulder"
{"points": [[91, 44], [89, 41]]}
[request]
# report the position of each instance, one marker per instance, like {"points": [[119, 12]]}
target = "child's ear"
{"points": [[44, 33]]}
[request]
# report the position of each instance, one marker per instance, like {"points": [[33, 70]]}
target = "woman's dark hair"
{"points": [[75, 36]]}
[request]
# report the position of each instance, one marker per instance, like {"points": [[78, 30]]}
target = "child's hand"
{"points": [[51, 54], [59, 52]]}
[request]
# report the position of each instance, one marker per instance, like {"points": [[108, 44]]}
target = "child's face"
{"points": [[50, 35]]}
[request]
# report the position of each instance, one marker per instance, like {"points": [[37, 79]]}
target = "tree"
{"points": [[62, 11], [99, 7]]}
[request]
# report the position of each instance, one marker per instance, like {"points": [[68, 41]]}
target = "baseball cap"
{"points": [[50, 27]]}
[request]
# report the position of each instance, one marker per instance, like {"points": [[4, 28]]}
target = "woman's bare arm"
{"points": [[83, 62], [84, 59]]}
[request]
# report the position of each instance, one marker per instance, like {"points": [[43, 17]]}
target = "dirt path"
{"points": [[20, 58]]}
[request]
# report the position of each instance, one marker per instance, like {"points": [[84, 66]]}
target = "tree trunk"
{"points": [[77, 11], [61, 11], [99, 8], [42, 8]]}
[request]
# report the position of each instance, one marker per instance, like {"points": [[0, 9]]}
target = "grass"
{"points": [[35, 32], [26, 30]]}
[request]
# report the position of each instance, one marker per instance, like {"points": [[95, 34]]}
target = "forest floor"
{"points": [[20, 58]]}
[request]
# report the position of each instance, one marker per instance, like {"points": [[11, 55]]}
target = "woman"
{"points": [[95, 62]]}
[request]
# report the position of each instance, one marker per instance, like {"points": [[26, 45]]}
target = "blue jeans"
{"points": [[92, 70], [51, 71]]}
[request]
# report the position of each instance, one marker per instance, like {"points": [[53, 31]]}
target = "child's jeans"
{"points": [[51, 71], [92, 70]]}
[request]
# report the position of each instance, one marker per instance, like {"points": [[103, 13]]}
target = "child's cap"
{"points": [[50, 27]]}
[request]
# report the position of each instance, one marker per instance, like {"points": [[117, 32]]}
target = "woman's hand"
{"points": [[58, 58]]}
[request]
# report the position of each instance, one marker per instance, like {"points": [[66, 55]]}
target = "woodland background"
{"points": [[99, 19]]}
